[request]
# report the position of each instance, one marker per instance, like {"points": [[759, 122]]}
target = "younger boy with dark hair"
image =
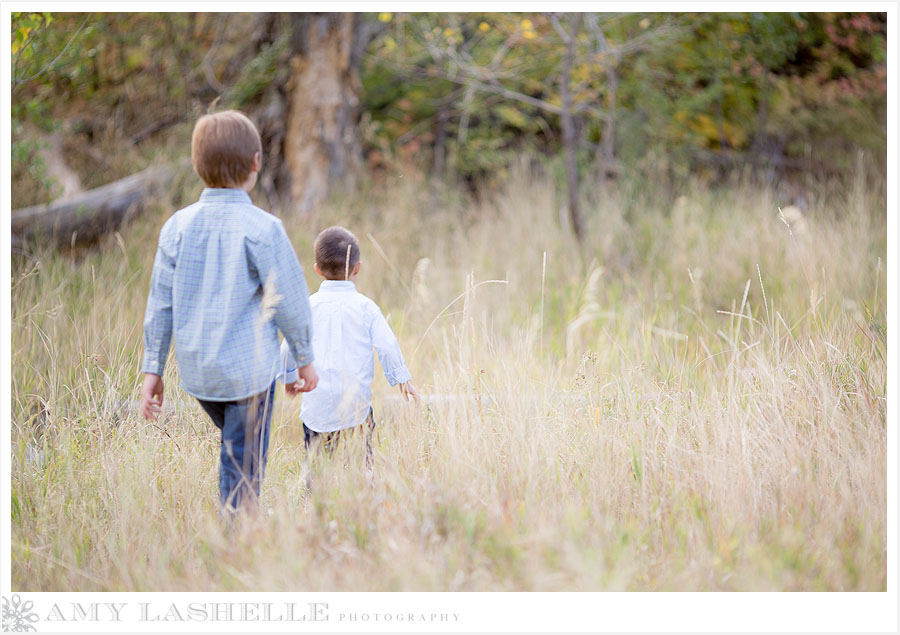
{"points": [[346, 327], [224, 282]]}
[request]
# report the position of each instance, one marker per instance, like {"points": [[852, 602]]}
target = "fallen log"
{"points": [[85, 216]]}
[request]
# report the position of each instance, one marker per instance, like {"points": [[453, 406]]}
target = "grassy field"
{"points": [[695, 401]]}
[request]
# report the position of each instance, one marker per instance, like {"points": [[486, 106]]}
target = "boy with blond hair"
{"points": [[347, 327], [225, 280]]}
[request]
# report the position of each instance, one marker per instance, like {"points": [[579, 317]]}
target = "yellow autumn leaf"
{"points": [[512, 116], [484, 27], [705, 126], [385, 17], [735, 135], [21, 38], [526, 24], [528, 35]]}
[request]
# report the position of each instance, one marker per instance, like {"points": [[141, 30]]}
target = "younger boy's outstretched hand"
{"points": [[409, 392], [151, 396]]}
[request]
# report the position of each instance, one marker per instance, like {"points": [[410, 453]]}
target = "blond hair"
{"points": [[222, 148]]}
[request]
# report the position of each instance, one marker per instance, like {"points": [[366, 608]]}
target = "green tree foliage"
{"points": [[807, 86], [145, 64], [790, 90], [415, 98], [109, 80]]}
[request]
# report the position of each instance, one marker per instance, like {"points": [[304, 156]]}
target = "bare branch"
{"points": [[593, 27], [491, 85], [497, 89], [502, 51], [647, 40], [211, 80], [642, 42], [554, 20]]}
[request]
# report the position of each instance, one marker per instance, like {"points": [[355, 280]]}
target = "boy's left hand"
{"points": [[151, 396]]}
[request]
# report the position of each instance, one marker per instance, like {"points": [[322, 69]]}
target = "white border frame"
{"points": [[524, 612]]}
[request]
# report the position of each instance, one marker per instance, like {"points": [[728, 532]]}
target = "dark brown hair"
{"points": [[331, 252], [222, 148]]}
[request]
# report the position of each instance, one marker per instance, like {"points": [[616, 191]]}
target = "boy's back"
{"points": [[217, 253], [347, 326]]}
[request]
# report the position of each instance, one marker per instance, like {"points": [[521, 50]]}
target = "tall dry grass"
{"points": [[701, 406]]}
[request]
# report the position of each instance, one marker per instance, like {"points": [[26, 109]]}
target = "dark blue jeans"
{"points": [[245, 425], [329, 440]]}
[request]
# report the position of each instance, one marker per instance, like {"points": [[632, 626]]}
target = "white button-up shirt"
{"points": [[346, 327]]}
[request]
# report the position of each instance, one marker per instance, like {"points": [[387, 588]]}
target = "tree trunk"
{"points": [[440, 141], [759, 150], [609, 132], [570, 144], [321, 144], [720, 115]]}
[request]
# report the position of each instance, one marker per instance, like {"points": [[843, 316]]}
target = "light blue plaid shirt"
{"points": [[224, 281]]}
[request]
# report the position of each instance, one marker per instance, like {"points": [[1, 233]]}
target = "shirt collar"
{"points": [[222, 194], [337, 285]]}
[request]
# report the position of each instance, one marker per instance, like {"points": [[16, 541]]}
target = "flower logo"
{"points": [[18, 616]]}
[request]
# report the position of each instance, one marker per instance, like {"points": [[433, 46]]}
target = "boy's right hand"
{"points": [[308, 376], [151, 396]]}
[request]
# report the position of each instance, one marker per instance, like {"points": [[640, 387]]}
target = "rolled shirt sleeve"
{"points": [[287, 367], [388, 349]]}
